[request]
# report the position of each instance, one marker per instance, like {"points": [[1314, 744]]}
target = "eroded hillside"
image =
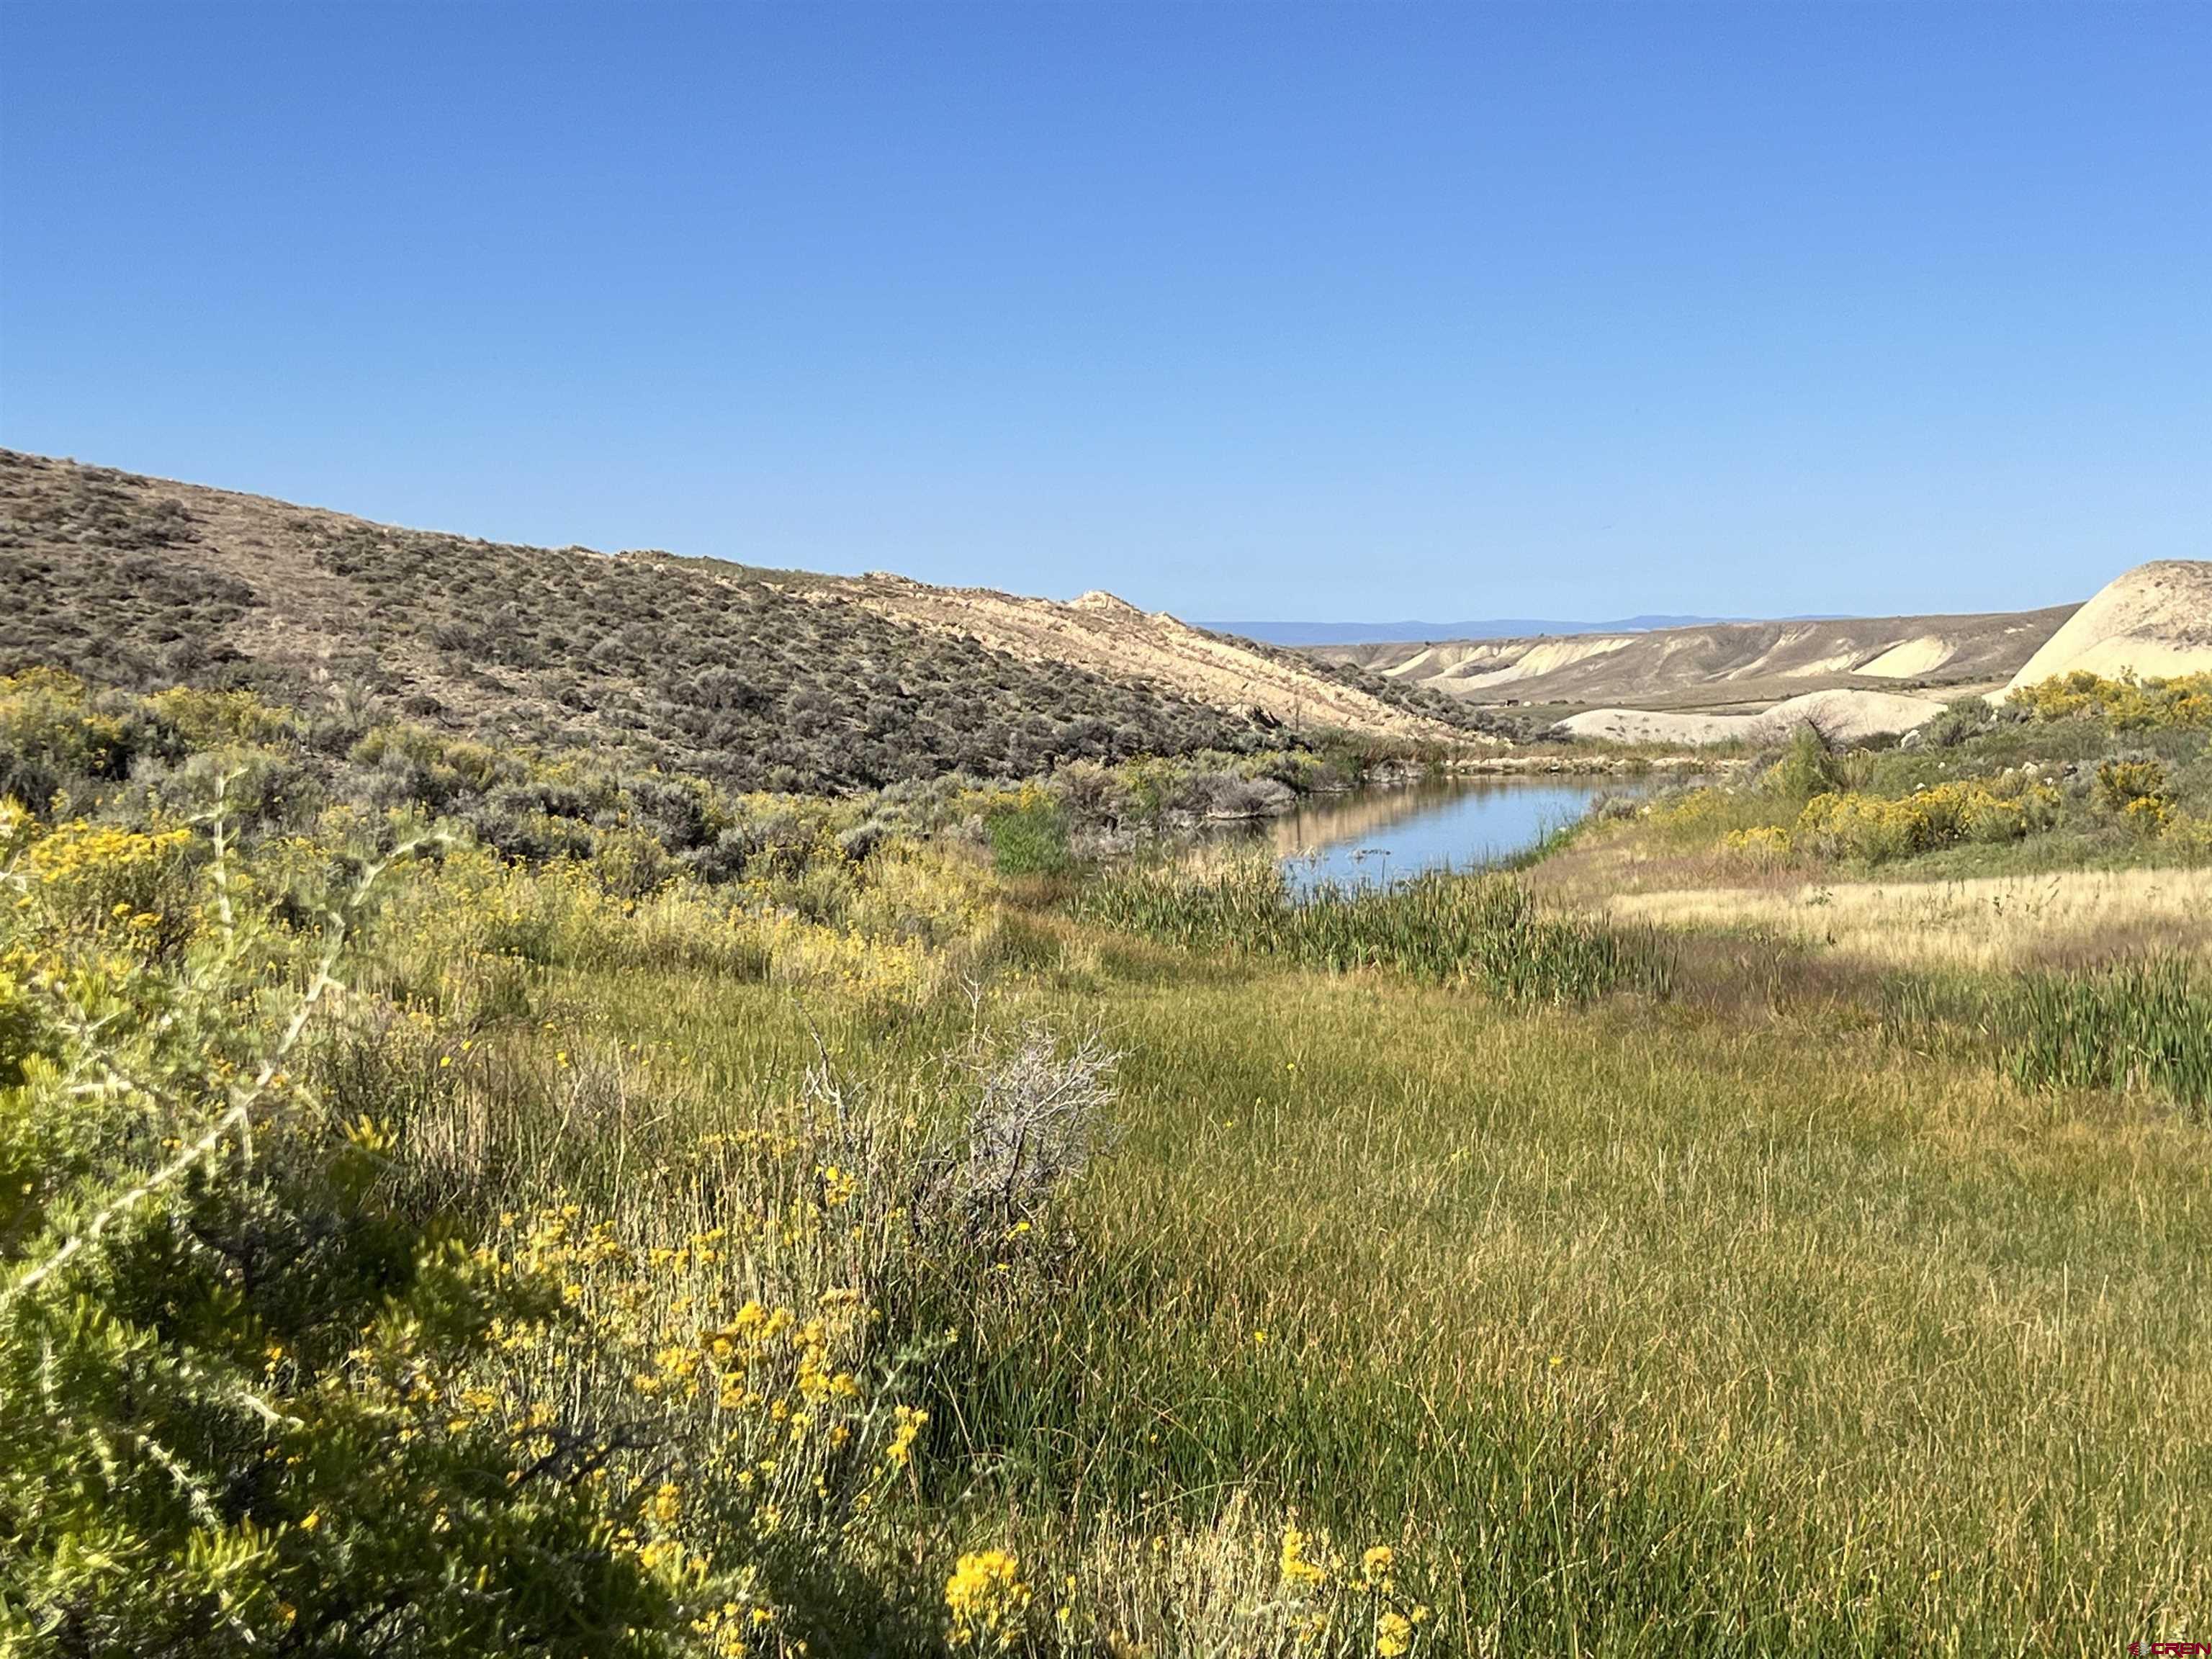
{"points": [[1736, 665], [1115, 638], [2156, 619]]}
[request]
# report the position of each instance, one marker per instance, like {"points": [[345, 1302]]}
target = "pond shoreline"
{"points": [[1401, 775], [1458, 823]]}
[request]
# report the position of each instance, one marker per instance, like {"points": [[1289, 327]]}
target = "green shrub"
{"points": [[1809, 766], [1962, 717]]}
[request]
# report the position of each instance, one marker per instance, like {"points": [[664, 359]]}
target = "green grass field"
{"points": [[1630, 1332], [877, 1252]]}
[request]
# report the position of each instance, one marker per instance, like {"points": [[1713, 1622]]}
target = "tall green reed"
{"points": [[1487, 931], [2139, 1025]]}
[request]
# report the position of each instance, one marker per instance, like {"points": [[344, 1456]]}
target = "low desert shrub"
{"points": [[1809, 767], [1962, 717]]}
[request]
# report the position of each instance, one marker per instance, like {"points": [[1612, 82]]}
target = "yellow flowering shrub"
{"points": [[1695, 814], [738, 1420], [2149, 815], [1709, 816], [52, 717], [2186, 833], [236, 1374], [2123, 702], [100, 878], [917, 893], [2137, 792], [1762, 843], [211, 719], [1876, 829]]}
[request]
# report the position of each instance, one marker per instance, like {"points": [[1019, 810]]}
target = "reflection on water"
{"points": [[1376, 837]]}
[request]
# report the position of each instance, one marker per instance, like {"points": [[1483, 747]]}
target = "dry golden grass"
{"points": [[1995, 921]]}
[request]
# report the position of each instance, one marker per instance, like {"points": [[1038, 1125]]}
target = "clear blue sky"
{"points": [[1352, 313]]}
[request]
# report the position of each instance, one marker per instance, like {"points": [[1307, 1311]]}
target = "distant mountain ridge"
{"points": [[1391, 633]]}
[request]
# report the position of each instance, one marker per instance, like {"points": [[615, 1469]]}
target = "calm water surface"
{"points": [[1376, 837]]}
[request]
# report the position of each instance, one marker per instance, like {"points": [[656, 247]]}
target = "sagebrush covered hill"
{"points": [[754, 678]]}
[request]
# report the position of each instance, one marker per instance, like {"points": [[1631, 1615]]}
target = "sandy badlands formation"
{"points": [[2156, 620], [1842, 716], [1853, 678]]}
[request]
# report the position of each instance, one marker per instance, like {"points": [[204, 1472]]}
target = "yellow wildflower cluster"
{"points": [[986, 1603], [770, 1359], [732, 1630], [1323, 1599], [1376, 1565], [1299, 1567], [1764, 843], [907, 1424]]}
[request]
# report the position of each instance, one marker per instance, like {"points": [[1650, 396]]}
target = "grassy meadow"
{"points": [[903, 1231]]}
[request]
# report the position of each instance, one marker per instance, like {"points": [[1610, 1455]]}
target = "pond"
{"points": [[1377, 837]]}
